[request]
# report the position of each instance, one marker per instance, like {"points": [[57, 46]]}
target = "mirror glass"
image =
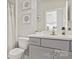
{"points": [[52, 14]]}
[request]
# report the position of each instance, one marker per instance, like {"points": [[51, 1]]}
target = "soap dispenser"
{"points": [[63, 31]]}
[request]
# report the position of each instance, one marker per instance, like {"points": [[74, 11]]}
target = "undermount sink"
{"points": [[43, 33]]}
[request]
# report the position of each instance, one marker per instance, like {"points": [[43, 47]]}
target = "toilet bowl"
{"points": [[18, 53]]}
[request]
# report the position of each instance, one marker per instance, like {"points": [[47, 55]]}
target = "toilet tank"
{"points": [[23, 42]]}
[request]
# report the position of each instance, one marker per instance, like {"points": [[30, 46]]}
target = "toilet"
{"points": [[18, 53]]}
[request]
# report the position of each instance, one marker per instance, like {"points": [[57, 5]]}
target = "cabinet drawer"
{"points": [[35, 41], [40, 53], [58, 44]]}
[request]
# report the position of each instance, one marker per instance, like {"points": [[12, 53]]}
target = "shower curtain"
{"points": [[11, 22]]}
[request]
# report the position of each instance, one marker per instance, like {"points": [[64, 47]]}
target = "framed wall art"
{"points": [[26, 4], [27, 18]]}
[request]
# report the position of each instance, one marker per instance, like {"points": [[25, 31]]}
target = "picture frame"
{"points": [[26, 18], [26, 4]]}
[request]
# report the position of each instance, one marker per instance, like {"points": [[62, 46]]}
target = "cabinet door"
{"points": [[63, 57], [40, 53]]}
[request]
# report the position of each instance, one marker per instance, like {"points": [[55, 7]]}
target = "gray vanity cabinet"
{"points": [[44, 48], [40, 53]]}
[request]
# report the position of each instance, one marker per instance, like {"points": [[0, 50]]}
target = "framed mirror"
{"points": [[54, 13]]}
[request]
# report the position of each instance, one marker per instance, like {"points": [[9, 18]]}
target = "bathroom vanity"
{"points": [[50, 47]]}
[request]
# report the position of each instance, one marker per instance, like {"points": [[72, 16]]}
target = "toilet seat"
{"points": [[16, 51]]}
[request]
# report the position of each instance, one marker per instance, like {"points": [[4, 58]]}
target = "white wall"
{"points": [[25, 29]]}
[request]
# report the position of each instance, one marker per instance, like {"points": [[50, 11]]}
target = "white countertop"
{"points": [[61, 37]]}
